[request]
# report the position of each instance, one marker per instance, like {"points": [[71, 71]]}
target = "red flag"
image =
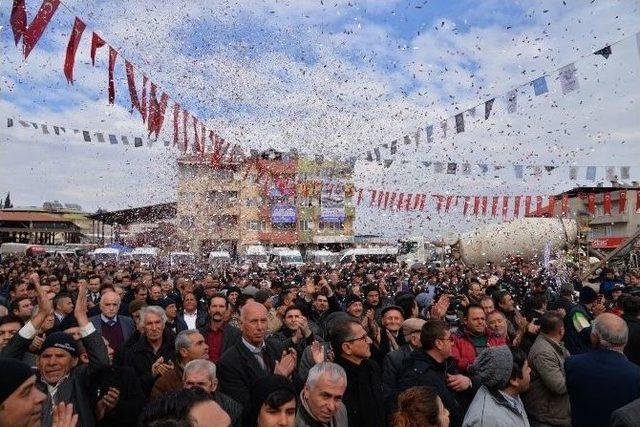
{"points": [[407, 202], [31, 33], [484, 205], [133, 92], [400, 199], [565, 205], [113, 54], [380, 197], [516, 206], [448, 203], [438, 202], [476, 205], [494, 206], [153, 108], [374, 193], [143, 99], [176, 115], [185, 137], [637, 201], [466, 205], [416, 201], [386, 200], [359, 198], [203, 143], [527, 205], [196, 138], [18, 19], [606, 203], [96, 42], [392, 199], [423, 201], [591, 203], [538, 205], [622, 201], [551, 207], [505, 206], [72, 47], [160, 113]]}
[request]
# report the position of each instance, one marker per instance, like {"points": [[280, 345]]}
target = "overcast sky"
{"points": [[336, 78]]}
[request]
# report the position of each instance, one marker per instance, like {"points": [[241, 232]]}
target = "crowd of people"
{"points": [[359, 344]]}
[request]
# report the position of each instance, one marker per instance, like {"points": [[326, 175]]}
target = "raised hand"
{"points": [[80, 310], [317, 352], [287, 364], [107, 403], [63, 415]]}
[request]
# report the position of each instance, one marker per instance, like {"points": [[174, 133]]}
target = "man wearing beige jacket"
{"points": [[547, 401]]}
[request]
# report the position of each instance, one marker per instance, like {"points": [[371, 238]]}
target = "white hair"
{"points": [[334, 371], [200, 365], [154, 309], [182, 339]]}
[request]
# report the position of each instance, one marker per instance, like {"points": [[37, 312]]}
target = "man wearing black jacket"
{"points": [[60, 376], [364, 397], [432, 366], [153, 353]]}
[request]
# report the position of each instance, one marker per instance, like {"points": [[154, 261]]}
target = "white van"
{"points": [[147, 256], [286, 257], [417, 250], [11, 248], [104, 255], [322, 257], [181, 259], [257, 254], [219, 257], [377, 254]]}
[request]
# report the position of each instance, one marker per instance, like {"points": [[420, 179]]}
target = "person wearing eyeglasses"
{"points": [[432, 366], [364, 396]]}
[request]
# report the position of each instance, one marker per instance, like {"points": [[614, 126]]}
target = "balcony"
{"points": [[279, 237]]}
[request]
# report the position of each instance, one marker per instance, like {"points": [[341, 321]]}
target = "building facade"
{"points": [[272, 199], [607, 216]]}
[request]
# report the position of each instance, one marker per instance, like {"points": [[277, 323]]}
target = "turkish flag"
{"points": [[527, 205], [591, 203], [565, 205], [516, 206], [606, 203], [72, 47], [551, 207], [505, 206], [113, 54], [476, 205], [96, 42], [622, 201], [31, 33], [494, 206], [465, 207], [538, 205]]}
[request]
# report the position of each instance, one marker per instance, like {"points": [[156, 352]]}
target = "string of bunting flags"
{"points": [[612, 173], [589, 173], [147, 98], [505, 206], [567, 76]]}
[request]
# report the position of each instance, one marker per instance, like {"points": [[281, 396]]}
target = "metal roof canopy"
{"points": [[150, 213]]}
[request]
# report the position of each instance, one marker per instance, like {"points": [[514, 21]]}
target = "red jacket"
{"points": [[464, 351]]}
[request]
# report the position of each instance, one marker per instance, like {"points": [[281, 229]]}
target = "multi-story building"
{"points": [[608, 215], [273, 199]]}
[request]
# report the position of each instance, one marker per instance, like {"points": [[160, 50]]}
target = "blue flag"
{"points": [[540, 86]]}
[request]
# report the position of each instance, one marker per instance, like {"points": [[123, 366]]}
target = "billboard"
{"points": [[283, 214], [332, 205]]}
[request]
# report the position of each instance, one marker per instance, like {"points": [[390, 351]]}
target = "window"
{"points": [[306, 225], [284, 226], [331, 226], [223, 221], [256, 225]]}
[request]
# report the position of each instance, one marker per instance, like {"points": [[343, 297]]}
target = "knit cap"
{"points": [[14, 374], [493, 367]]}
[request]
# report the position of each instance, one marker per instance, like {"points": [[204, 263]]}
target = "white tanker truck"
{"points": [[525, 237]]}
